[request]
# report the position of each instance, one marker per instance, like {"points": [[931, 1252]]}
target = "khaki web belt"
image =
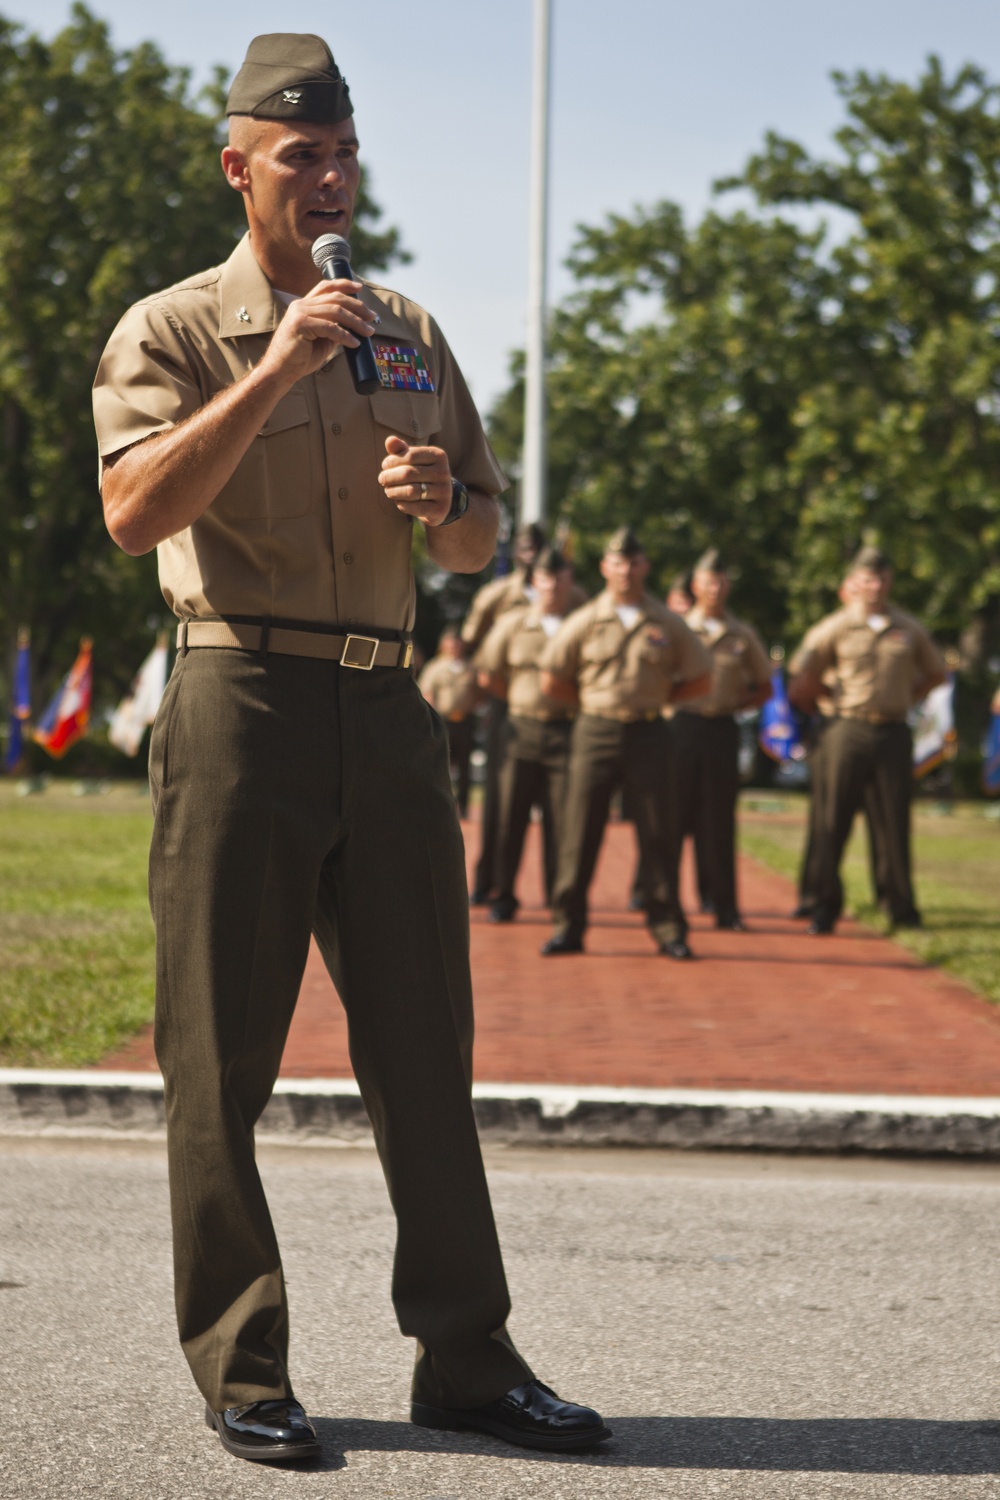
{"points": [[360, 651]]}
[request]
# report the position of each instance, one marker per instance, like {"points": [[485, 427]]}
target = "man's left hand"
{"points": [[417, 480]]}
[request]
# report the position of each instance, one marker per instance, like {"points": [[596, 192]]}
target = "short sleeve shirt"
{"points": [[496, 598], [514, 649], [625, 672], [303, 530], [739, 662], [450, 686], [876, 671]]}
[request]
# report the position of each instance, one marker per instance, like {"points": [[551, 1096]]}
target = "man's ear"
{"points": [[234, 165]]}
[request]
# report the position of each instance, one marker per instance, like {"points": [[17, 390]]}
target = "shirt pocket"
{"points": [[273, 480], [415, 416]]}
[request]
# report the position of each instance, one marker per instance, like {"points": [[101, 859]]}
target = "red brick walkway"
{"points": [[768, 1009]]}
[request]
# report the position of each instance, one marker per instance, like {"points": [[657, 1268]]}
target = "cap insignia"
{"points": [[243, 315], [291, 96]]}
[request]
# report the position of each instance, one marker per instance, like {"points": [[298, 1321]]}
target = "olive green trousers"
{"points": [[295, 796]]}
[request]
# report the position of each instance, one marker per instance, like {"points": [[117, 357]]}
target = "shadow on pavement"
{"points": [[876, 1445]]}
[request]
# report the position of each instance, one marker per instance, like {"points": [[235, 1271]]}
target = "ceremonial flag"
{"points": [[777, 731], [20, 707], [67, 716], [991, 757], [138, 708], [933, 725]]}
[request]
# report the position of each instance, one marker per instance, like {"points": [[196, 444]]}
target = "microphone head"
{"points": [[330, 247]]}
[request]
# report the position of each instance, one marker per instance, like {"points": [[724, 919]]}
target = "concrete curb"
{"points": [[329, 1111]]}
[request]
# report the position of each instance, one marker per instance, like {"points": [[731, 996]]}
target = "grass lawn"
{"points": [[957, 864], [76, 938]]}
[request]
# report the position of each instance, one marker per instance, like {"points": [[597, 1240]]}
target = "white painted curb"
{"points": [[329, 1110]]}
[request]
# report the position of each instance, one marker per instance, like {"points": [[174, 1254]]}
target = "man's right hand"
{"points": [[313, 326]]}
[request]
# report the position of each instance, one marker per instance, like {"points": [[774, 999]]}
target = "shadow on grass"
{"points": [[876, 1445]]}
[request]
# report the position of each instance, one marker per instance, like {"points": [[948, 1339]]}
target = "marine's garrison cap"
{"points": [[625, 541], [549, 560], [289, 75], [873, 559], [531, 535], [711, 561]]}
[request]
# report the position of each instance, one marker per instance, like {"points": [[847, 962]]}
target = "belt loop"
{"points": [[184, 638], [265, 635]]}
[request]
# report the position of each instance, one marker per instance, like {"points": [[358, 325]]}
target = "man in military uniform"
{"points": [[299, 780], [622, 657], [706, 736], [536, 752], [826, 709], [449, 684], [882, 662]]}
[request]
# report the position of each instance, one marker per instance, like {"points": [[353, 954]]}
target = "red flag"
{"points": [[67, 716]]}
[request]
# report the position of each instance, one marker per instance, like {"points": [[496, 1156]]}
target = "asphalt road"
{"points": [[751, 1327]]}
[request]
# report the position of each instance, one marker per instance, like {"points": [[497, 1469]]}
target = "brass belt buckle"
{"points": [[347, 659]]}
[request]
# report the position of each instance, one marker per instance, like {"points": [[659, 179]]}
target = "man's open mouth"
{"points": [[326, 215]]}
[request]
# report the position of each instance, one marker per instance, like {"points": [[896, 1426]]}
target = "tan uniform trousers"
{"points": [[605, 755], [295, 796]]}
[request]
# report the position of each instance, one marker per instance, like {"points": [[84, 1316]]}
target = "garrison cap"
{"points": [[711, 561], [289, 75], [625, 541], [549, 560], [873, 559], [531, 535]]}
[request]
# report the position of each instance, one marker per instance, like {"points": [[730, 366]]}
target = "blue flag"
{"points": [[991, 757], [777, 731], [20, 707]]}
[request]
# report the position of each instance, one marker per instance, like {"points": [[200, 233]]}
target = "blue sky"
{"points": [[652, 99]]}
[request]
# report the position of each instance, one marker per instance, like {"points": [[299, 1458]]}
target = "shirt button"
{"points": [[348, 557], [336, 427], [343, 492]]}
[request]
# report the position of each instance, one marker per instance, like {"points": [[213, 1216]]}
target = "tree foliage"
{"points": [[788, 381], [110, 186]]}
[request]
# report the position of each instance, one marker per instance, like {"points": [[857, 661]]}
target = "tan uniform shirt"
{"points": [[514, 649], [302, 530], [877, 673], [739, 663], [496, 598], [450, 686], [625, 673]]}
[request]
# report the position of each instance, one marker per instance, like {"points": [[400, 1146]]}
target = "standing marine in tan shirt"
{"points": [[706, 736], [880, 662], [300, 783], [449, 684], [622, 658], [536, 751]]}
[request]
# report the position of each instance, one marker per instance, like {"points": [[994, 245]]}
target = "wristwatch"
{"points": [[459, 502]]}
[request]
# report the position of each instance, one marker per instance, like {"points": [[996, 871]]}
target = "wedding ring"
{"points": [[423, 492]]}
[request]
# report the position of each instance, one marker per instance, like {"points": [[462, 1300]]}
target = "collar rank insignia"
{"points": [[243, 315], [401, 368], [292, 96]]}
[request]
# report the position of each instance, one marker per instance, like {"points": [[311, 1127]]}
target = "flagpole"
{"points": [[534, 456]]}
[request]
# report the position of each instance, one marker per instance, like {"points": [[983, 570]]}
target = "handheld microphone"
{"points": [[332, 258]]}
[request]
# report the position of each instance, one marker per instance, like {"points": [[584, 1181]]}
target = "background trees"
{"points": [[110, 187], [817, 367]]}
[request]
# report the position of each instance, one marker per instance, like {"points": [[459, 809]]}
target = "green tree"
{"points": [[110, 187], [786, 385]]}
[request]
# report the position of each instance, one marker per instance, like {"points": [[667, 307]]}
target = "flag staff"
{"points": [[533, 460]]}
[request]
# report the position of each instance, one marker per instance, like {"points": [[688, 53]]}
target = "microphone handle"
{"points": [[360, 361]]}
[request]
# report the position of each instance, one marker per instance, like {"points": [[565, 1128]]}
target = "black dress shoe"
{"points": [[479, 897], [530, 1415], [559, 944], [637, 903], [504, 910], [803, 910], [821, 927], [910, 920], [731, 924], [676, 949], [268, 1432]]}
